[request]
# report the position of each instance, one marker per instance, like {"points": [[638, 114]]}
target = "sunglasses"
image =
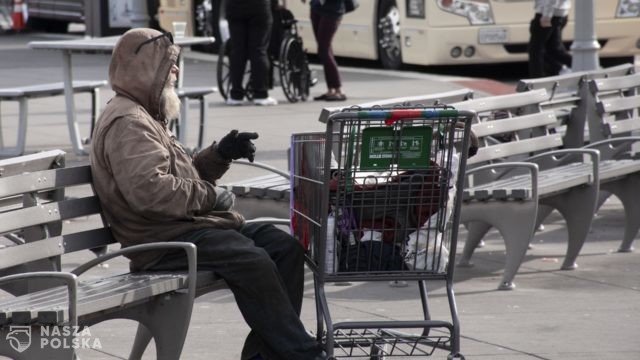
{"points": [[168, 35]]}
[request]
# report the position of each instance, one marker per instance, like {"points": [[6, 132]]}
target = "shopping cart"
{"points": [[377, 198]]}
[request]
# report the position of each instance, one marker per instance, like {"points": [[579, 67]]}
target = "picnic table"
{"points": [[98, 45]]}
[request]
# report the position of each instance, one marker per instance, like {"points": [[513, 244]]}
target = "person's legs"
{"points": [[256, 282], [555, 48], [324, 28], [288, 255], [537, 41], [238, 58], [259, 31]]}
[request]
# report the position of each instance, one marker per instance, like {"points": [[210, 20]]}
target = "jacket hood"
{"points": [[141, 76]]}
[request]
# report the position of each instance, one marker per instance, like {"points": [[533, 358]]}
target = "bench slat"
{"points": [[526, 146], [36, 250], [614, 169], [44, 180], [503, 101], [617, 127], [618, 104], [615, 83], [31, 162], [46, 213], [501, 126]]}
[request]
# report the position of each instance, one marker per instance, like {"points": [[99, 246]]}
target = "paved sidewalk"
{"points": [[592, 312]]}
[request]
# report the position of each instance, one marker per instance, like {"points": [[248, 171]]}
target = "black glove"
{"points": [[236, 145]]}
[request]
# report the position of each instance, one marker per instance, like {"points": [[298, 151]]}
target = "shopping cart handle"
{"points": [[391, 116]]}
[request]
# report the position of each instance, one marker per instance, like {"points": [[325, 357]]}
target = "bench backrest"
{"points": [[511, 127], [567, 94], [35, 209], [614, 107]]}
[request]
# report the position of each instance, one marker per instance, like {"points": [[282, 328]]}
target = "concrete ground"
{"points": [[592, 312]]}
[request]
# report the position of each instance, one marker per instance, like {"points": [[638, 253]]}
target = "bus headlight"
{"points": [[628, 8], [478, 12]]}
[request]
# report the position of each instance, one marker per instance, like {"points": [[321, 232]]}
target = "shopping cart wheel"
{"points": [[456, 356]]}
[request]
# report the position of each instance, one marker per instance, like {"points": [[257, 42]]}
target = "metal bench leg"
{"points": [[167, 319], [140, 343], [626, 189], [516, 223], [578, 207], [476, 230]]}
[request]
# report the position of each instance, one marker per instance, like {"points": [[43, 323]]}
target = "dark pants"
{"points": [[250, 24], [264, 268], [324, 28], [547, 53]]}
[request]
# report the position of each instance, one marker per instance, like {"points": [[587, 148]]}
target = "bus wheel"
{"points": [[389, 49]]}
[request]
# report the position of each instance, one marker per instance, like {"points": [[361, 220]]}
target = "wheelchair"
{"points": [[286, 55]]}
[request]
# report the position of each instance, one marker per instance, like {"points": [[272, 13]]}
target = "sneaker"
{"points": [[565, 70], [234, 102], [268, 101]]}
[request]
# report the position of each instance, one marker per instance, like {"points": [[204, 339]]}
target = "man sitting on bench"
{"points": [[153, 191]]}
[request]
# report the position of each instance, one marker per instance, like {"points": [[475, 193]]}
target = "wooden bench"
{"points": [[34, 209], [24, 93], [567, 180]]}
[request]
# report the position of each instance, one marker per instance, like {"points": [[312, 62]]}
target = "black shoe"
{"points": [[321, 97], [335, 97]]}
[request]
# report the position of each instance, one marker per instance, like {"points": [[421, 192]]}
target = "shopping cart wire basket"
{"points": [[377, 197]]}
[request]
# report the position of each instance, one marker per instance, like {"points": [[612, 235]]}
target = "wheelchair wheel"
{"points": [[223, 73], [294, 70]]}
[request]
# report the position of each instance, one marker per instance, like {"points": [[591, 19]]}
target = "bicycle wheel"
{"points": [[294, 70], [223, 73]]}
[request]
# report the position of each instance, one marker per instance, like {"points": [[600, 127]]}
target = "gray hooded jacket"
{"points": [[149, 188]]}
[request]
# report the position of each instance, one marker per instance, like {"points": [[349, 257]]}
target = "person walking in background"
{"points": [[250, 23], [325, 19], [547, 54]]}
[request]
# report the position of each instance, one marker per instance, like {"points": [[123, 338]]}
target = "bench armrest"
{"points": [[532, 167], [189, 248], [614, 146], [264, 166], [594, 154], [70, 280]]}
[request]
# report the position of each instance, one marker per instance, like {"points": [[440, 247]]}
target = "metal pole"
{"points": [[585, 46]]}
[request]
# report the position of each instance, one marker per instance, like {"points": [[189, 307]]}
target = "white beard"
{"points": [[171, 102]]}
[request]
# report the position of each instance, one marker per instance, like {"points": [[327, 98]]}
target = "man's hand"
{"points": [[545, 22], [224, 199], [235, 145]]}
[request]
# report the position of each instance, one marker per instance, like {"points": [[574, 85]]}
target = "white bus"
{"points": [[433, 32]]}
